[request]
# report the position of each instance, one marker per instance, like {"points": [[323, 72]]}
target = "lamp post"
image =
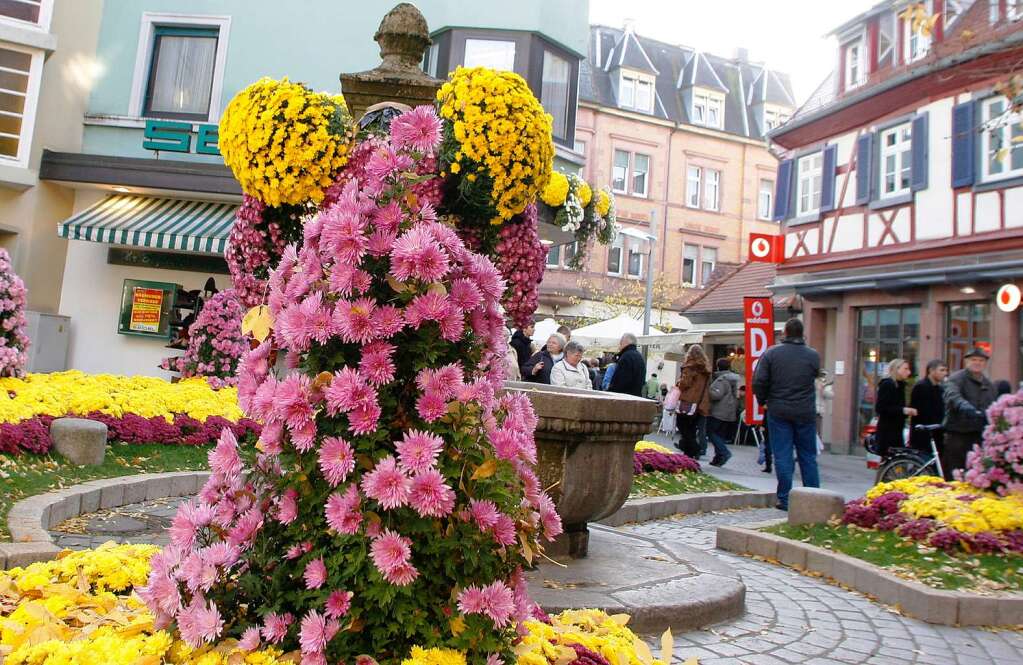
{"points": [[651, 241]]}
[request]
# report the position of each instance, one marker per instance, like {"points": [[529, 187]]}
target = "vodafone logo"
{"points": [[760, 248], [757, 308], [1008, 298]]}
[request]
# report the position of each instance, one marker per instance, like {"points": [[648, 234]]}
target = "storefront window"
{"points": [[883, 334], [967, 326]]}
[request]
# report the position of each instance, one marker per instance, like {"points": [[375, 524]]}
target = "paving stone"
{"points": [[89, 499], [19, 555], [929, 605], [763, 544], [158, 488], [791, 553], [135, 490], [112, 495]]}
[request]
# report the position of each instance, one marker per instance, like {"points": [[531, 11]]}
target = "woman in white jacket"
{"points": [[570, 371]]}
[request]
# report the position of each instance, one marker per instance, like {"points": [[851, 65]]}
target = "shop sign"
{"points": [[758, 318], [176, 136], [146, 308], [1008, 298], [766, 248]]}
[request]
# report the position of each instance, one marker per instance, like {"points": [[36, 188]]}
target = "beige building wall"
{"points": [[30, 209]]}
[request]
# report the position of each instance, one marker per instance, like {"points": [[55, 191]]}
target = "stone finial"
{"points": [[403, 36]]}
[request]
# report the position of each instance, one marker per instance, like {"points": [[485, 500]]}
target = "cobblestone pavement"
{"points": [[135, 523], [793, 618]]}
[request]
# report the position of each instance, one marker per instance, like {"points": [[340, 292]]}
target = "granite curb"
{"points": [[658, 507], [913, 599], [29, 520]]}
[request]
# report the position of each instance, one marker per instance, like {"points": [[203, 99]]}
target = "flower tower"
{"points": [[215, 342], [13, 339]]}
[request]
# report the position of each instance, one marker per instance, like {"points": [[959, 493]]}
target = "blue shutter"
{"points": [[864, 168], [783, 191], [918, 174], [963, 137], [828, 178]]}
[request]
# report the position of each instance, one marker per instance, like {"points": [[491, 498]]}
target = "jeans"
{"points": [[701, 434], [718, 432], [786, 435]]}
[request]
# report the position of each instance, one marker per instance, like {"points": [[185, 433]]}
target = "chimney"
{"points": [[629, 25], [741, 54]]}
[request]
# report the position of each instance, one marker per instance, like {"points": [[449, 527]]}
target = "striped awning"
{"points": [[145, 221]]}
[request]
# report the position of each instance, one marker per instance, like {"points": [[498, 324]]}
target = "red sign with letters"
{"points": [[766, 248], [758, 318]]}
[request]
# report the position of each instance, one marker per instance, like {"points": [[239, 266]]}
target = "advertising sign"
{"points": [[758, 318], [145, 309], [766, 248], [1008, 298]]}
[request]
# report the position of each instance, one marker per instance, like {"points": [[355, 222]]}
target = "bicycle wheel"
{"points": [[900, 467]]}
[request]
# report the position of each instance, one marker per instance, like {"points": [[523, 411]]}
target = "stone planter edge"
{"points": [[947, 608], [658, 507], [30, 519]]}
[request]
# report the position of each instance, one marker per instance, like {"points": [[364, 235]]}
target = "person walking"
{"points": [[650, 387], [512, 366], [565, 332], [630, 369], [928, 399], [591, 363], [785, 384], [968, 394], [571, 371], [722, 421], [538, 368], [522, 342], [609, 372], [890, 406], [694, 400]]}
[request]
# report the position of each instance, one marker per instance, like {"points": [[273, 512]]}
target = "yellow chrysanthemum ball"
{"points": [[603, 203], [651, 445], [556, 191], [284, 142], [585, 194], [496, 130], [421, 656]]}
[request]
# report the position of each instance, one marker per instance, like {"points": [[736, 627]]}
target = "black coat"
{"points": [[523, 347], [967, 398], [785, 380], [630, 374], [544, 376], [929, 401], [891, 400]]}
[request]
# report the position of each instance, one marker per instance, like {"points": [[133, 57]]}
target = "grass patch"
{"points": [[907, 558], [27, 474], [661, 483]]}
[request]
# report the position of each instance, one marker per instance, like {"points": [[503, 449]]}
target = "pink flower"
{"points": [[250, 639], [364, 419], [348, 391], [376, 363], [417, 255], [495, 600], [385, 162], [200, 623], [337, 460], [387, 484], [388, 217], [275, 626], [430, 496], [429, 306], [388, 320], [315, 574], [549, 518], [431, 406], [316, 630], [504, 531], [418, 451], [465, 295], [342, 511], [224, 459], [287, 507], [471, 600], [418, 129], [354, 319], [298, 550], [338, 604], [484, 513], [391, 553]]}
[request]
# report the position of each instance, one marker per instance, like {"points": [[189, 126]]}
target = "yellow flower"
{"points": [[650, 445], [556, 191], [603, 204], [421, 656], [585, 194]]}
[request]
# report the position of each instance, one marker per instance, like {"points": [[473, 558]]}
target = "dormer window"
{"points": [[708, 109], [886, 31], [774, 117], [636, 93], [853, 64], [915, 44]]}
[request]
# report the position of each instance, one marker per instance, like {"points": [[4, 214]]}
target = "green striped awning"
{"points": [[145, 221]]}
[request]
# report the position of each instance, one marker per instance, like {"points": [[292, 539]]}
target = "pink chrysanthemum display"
{"points": [[392, 490], [215, 342], [13, 338]]}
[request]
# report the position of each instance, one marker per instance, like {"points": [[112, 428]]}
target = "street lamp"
{"points": [[651, 240]]}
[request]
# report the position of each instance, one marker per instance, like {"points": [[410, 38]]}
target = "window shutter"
{"points": [[918, 173], [830, 164], [963, 137], [864, 168], [782, 196]]}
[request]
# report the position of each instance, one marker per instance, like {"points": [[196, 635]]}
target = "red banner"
{"points": [[766, 248], [758, 317]]}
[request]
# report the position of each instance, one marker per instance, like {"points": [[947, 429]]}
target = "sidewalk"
{"points": [[846, 474]]}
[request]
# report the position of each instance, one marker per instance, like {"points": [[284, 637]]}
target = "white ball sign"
{"points": [[760, 248], [1008, 298]]}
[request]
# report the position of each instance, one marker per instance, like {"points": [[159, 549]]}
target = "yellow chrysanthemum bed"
{"points": [[955, 504], [81, 609]]}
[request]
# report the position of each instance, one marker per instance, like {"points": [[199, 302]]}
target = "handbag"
{"points": [[686, 408]]}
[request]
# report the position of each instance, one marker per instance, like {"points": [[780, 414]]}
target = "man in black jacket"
{"points": [[928, 398], [522, 342], [968, 394], [630, 373], [785, 384]]}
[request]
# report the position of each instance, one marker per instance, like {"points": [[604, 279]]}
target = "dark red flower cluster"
{"points": [[258, 238], [585, 656], [869, 515], [644, 461], [521, 258]]}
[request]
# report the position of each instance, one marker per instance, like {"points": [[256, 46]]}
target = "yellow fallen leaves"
{"points": [[595, 630]]}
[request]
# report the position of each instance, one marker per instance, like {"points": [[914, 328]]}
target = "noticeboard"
{"points": [[146, 308]]}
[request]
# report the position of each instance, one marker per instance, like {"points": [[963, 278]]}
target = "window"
{"points": [[490, 53], [1013, 9], [708, 109], [430, 59], [967, 326], [19, 89], [765, 199], [853, 64], [627, 92], [714, 113], [644, 96], [554, 92], [570, 251], [700, 109], [994, 11], [181, 72], [693, 180], [635, 263], [554, 256], [1002, 144], [620, 171], [954, 9], [636, 93], [35, 12], [886, 40], [640, 169], [915, 44], [711, 190], [690, 255], [580, 147], [774, 118], [896, 160], [808, 174], [708, 260], [614, 258], [883, 334]]}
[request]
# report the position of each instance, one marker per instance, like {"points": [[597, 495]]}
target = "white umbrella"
{"points": [[608, 333], [542, 330]]}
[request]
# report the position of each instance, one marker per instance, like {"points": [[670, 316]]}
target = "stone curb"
{"points": [[659, 507], [913, 599], [30, 519]]}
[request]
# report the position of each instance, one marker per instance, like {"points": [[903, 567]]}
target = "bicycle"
{"points": [[904, 462]]}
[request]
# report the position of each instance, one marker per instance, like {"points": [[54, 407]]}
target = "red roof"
{"points": [[749, 279]]}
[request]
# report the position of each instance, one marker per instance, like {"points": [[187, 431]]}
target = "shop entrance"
{"points": [[883, 334]]}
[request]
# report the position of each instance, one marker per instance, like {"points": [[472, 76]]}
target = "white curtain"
{"points": [[184, 74], [554, 91]]}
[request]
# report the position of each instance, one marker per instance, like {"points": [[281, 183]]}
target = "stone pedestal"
{"points": [[811, 505], [585, 440], [81, 441]]}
